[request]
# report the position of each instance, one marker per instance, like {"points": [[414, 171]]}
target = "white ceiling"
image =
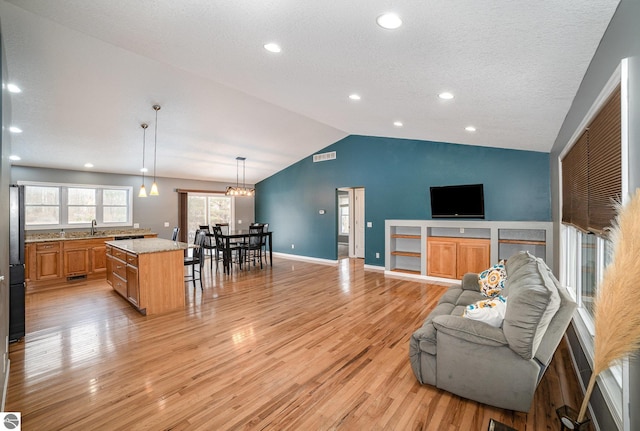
{"points": [[91, 70]]}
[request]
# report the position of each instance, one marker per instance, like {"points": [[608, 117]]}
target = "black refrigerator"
{"points": [[16, 263]]}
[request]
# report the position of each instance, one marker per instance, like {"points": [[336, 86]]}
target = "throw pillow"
{"points": [[491, 281], [490, 311]]}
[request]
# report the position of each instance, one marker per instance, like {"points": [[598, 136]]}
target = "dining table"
{"points": [[244, 235]]}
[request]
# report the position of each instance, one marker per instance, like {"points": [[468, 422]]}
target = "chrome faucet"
{"points": [[94, 223]]}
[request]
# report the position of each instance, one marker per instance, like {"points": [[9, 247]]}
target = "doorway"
{"points": [[350, 235]]}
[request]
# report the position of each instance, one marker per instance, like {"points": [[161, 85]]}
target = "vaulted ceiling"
{"points": [[90, 72]]}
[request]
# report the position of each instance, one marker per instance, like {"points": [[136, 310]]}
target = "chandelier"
{"points": [[237, 190]]}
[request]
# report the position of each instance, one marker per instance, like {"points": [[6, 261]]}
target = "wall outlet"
{"points": [[461, 230], [377, 255], [293, 246], [239, 221], [369, 224], [166, 224], [136, 225]]}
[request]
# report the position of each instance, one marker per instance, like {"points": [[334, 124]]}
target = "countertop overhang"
{"points": [[148, 245]]}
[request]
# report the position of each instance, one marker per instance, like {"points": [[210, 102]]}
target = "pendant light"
{"points": [[143, 190], [154, 186], [237, 190]]}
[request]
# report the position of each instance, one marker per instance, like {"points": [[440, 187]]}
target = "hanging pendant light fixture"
{"points": [[143, 191], [237, 190], [154, 186]]}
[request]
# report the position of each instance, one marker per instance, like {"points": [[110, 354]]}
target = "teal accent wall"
{"points": [[396, 175]]}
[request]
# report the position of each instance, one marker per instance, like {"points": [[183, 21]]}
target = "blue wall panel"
{"points": [[396, 175]]}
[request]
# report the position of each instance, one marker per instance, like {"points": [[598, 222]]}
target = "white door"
{"points": [[358, 221]]}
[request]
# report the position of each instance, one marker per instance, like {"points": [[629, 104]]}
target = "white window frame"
{"points": [[232, 209], [613, 382], [63, 205]]}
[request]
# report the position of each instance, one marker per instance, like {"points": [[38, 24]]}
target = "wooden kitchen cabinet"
{"points": [[98, 258], [48, 259], [148, 273], [85, 257], [76, 262], [133, 288], [450, 257]]}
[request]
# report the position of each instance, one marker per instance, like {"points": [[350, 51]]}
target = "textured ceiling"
{"points": [[91, 70]]}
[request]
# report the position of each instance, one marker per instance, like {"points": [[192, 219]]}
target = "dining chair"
{"points": [[196, 259], [174, 234], [209, 244], [226, 251], [253, 247]]}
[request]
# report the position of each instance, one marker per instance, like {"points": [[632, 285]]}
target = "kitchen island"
{"points": [[148, 273]]}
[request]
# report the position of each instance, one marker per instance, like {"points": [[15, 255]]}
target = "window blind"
{"points": [[591, 171]]}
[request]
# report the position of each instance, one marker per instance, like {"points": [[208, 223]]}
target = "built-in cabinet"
{"points": [[447, 249], [453, 257]]}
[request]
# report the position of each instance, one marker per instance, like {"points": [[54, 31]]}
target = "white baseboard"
{"points": [[5, 385], [305, 258], [438, 280]]}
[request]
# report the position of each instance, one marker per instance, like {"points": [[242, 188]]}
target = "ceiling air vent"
{"points": [[323, 157]]}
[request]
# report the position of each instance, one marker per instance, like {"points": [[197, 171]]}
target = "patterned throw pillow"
{"points": [[490, 311], [491, 281]]}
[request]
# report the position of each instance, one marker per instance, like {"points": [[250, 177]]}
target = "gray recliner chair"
{"points": [[497, 366]]}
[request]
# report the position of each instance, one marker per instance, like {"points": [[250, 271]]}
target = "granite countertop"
{"points": [[148, 245], [74, 235]]}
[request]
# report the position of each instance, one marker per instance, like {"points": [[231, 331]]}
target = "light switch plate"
{"points": [[166, 224], [136, 225], [369, 224]]}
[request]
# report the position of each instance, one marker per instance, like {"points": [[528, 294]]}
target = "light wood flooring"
{"points": [[296, 346]]}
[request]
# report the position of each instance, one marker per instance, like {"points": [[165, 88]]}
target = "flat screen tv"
{"points": [[463, 201]]}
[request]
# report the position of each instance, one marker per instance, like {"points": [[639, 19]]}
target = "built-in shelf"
{"points": [[406, 253], [406, 241]]}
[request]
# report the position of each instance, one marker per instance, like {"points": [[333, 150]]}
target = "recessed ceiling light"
{"points": [[470, 129], [272, 47], [88, 165], [13, 88], [446, 95], [144, 170], [14, 129], [354, 96], [398, 123], [14, 157], [390, 21]]}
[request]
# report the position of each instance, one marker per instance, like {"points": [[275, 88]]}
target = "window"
{"points": [[205, 208], [343, 204], [592, 177], [55, 206]]}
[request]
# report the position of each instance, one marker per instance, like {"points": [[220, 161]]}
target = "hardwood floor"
{"points": [[296, 346]]}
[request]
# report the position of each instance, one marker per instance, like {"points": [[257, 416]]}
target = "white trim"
{"points": [[374, 267], [306, 258], [6, 383], [624, 132]]}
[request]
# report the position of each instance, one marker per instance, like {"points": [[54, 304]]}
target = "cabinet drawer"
{"points": [[119, 268], [48, 245], [119, 285], [132, 259], [120, 254]]}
